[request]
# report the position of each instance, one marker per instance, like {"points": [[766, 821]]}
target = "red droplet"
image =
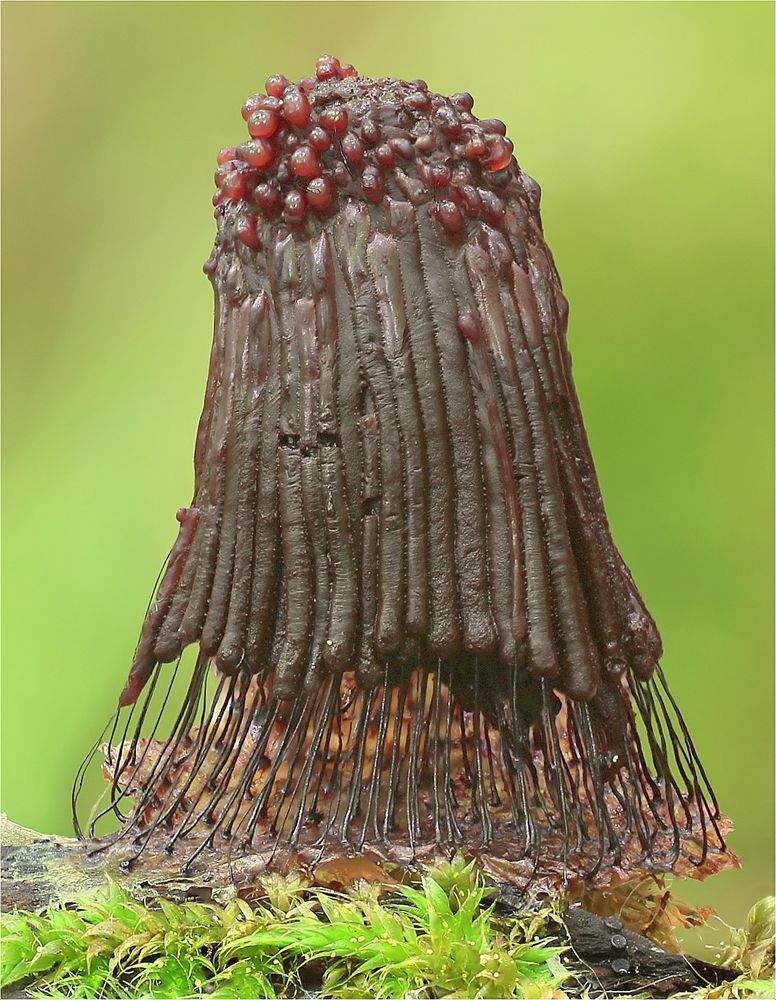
{"points": [[493, 125], [471, 200], [500, 154], [411, 187], [320, 194], [251, 104], [372, 185], [267, 197], [262, 124], [462, 175], [235, 185], [370, 131], [448, 121], [328, 68], [340, 174], [334, 118], [385, 156], [226, 154], [305, 162], [294, 206], [276, 85], [296, 107], [492, 206], [463, 101], [259, 102], [308, 83], [438, 174], [449, 216], [246, 231], [476, 147], [319, 138], [223, 172], [352, 148], [258, 153], [348, 70], [417, 101]]}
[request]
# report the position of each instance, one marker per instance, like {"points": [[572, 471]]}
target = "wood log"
{"points": [[38, 869]]}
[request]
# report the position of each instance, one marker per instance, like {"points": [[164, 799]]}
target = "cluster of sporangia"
{"points": [[312, 141]]}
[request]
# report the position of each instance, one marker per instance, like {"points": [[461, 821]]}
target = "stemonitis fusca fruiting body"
{"points": [[413, 628]]}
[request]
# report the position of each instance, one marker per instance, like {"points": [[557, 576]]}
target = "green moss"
{"points": [[440, 938]]}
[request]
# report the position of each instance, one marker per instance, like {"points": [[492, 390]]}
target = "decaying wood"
{"points": [[38, 869], [615, 960]]}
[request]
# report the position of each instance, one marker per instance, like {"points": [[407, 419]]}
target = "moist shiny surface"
{"points": [[338, 135], [396, 560]]}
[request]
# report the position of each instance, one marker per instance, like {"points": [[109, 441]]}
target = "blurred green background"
{"points": [[649, 127]]}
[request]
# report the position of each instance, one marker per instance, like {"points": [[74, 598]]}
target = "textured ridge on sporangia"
{"points": [[396, 558], [390, 462]]}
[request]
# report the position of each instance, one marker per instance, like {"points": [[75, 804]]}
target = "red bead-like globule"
{"points": [[328, 68], [438, 174], [334, 119], [352, 148], [449, 216], [267, 197], [476, 148], [372, 185], [448, 121], [418, 101], [253, 103], [493, 125], [276, 85], [263, 123], [296, 107], [294, 206], [319, 139], [385, 156], [258, 153], [492, 206], [471, 200], [235, 185], [500, 154], [463, 100], [320, 194], [340, 174], [305, 162], [247, 231], [370, 131]]}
